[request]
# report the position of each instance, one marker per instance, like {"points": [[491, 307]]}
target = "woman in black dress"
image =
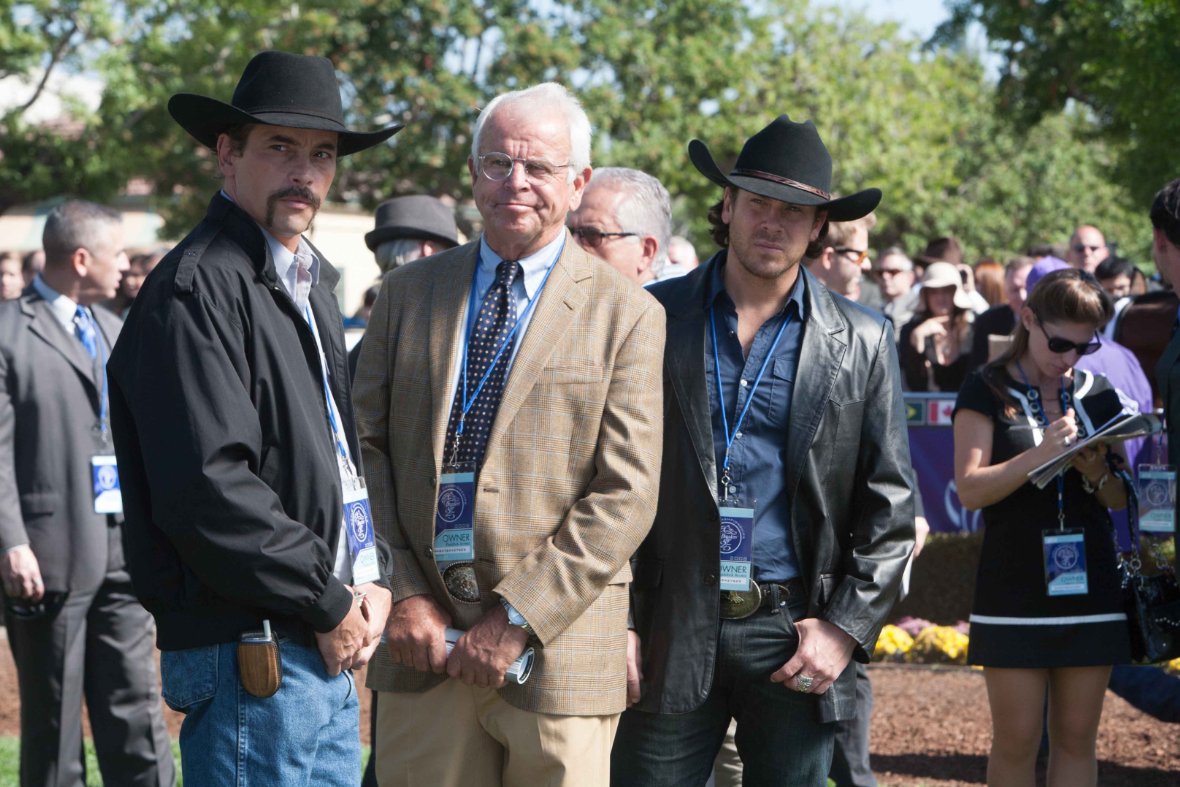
{"points": [[1047, 612]]}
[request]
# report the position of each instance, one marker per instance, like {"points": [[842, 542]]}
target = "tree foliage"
{"points": [[653, 74], [1116, 58]]}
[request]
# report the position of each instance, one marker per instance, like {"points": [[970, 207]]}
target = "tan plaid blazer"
{"points": [[569, 482]]}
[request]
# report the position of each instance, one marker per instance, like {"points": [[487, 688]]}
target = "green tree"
{"points": [[1116, 58], [653, 74]]}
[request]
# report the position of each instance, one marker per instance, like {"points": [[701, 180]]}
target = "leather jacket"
{"points": [[849, 481]]}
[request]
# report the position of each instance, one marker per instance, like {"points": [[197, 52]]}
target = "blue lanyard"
{"points": [[337, 437], [467, 404], [731, 435], [1034, 399]]}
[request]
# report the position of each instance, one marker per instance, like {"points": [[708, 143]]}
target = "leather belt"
{"points": [[738, 604]]}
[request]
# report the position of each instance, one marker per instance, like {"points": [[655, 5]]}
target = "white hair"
{"points": [[545, 95], [645, 204], [397, 252]]}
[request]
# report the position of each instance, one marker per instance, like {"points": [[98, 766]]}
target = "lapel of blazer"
{"points": [[820, 358], [44, 324], [1163, 369], [448, 314], [684, 359], [556, 310]]}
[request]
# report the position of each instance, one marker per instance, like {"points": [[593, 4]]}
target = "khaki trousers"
{"points": [[461, 736]]}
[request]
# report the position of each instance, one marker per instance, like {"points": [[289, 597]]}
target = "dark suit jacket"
{"points": [[49, 411], [1167, 375], [848, 472]]}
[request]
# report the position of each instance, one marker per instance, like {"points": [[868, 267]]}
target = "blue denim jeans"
{"points": [[779, 736], [307, 733]]}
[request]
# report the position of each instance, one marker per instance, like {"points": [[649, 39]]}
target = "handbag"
{"points": [[1152, 602]]}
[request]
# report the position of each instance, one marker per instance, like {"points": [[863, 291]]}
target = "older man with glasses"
{"points": [[1087, 248], [509, 402], [625, 219]]}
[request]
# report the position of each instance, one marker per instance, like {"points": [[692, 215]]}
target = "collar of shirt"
{"points": [[62, 307], [717, 289], [534, 266], [284, 258]]}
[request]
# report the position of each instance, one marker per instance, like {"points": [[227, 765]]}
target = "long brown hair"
{"points": [[1067, 295]]}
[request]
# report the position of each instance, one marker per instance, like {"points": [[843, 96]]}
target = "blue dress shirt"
{"points": [[757, 458]]}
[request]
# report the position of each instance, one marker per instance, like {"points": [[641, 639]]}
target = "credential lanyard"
{"points": [[731, 435], [467, 403], [333, 417], [1034, 399]]}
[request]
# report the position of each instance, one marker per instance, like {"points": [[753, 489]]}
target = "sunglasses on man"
{"points": [[592, 238]]}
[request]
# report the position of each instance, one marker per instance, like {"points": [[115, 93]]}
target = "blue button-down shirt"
{"points": [[758, 457]]}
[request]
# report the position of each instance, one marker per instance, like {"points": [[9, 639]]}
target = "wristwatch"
{"points": [[517, 619]]}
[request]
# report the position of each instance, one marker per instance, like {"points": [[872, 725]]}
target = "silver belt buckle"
{"points": [[738, 604]]}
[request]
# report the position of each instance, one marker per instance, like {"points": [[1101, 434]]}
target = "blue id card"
{"points": [[362, 542], [104, 473], [1065, 562], [454, 517], [737, 543], [1157, 498]]}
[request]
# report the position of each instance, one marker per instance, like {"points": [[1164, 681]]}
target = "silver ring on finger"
{"points": [[803, 683], [1067, 441]]}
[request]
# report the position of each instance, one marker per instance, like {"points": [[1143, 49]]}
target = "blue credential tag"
{"points": [[104, 473], [1065, 562], [454, 517], [1157, 498], [362, 541], [737, 544]]}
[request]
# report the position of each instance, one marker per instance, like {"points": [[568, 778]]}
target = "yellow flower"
{"points": [[892, 644], [1173, 665], [939, 645]]}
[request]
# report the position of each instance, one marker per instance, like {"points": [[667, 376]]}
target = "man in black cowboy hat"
{"points": [[237, 449], [785, 515]]}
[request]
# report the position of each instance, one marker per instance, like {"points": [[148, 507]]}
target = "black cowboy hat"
{"points": [[277, 89], [788, 162], [415, 216]]}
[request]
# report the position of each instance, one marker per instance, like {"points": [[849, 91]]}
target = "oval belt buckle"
{"points": [[738, 604], [460, 581]]}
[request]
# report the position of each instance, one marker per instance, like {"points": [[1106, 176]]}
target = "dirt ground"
{"points": [[930, 727]]}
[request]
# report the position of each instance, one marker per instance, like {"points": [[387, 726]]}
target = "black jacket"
{"points": [[848, 467], [227, 465]]}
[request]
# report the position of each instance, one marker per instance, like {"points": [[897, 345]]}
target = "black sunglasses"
{"points": [[49, 605], [1061, 346], [592, 238]]}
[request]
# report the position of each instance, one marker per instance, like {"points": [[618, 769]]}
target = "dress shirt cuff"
{"points": [[14, 547]]}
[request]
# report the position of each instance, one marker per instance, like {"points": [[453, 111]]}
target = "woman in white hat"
{"points": [[935, 346]]}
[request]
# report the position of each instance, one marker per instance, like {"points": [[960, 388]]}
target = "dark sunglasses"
{"points": [[1062, 346], [49, 605], [592, 238]]}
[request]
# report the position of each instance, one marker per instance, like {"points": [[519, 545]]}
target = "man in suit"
{"points": [[246, 513], [1165, 250], [508, 400], [785, 515], [73, 622]]}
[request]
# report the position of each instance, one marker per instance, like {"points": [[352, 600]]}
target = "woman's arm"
{"points": [[981, 483]]}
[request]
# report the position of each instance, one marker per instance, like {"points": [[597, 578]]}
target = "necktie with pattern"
{"points": [[497, 316]]}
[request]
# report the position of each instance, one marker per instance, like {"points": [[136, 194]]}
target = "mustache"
{"points": [[302, 192]]}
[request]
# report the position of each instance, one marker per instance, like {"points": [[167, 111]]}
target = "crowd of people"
{"points": [[590, 510]]}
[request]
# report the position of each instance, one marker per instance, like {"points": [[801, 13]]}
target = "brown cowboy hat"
{"points": [[277, 89], [788, 162]]}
